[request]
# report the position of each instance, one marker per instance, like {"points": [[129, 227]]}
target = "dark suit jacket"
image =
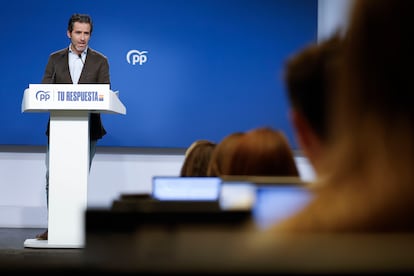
{"points": [[95, 70]]}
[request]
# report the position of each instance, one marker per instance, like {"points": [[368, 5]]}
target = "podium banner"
{"points": [[91, 97]]}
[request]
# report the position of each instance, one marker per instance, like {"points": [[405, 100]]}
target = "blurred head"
{"points": [[263, 152], [310, 77], [221, 156], [197, 158]]}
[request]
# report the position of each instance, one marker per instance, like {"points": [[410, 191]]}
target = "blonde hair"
{"points": [[197, 158]]}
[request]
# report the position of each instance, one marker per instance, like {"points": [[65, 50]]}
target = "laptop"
{"points": [[275, 203], [271, 198], [176, 188]]}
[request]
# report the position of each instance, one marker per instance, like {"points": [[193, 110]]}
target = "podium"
{"points": [[70, 106]]}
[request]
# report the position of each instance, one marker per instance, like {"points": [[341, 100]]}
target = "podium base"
{"points": [[35, 243]]}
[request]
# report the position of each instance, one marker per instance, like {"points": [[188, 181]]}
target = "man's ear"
{"points": [[302, 129], [68, 34], [308, 141]]}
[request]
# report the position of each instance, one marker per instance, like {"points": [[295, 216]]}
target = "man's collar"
{"points": [[83, 53]]}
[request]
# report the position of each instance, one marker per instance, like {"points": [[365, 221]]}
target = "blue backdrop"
{"points": [[186, 70]]}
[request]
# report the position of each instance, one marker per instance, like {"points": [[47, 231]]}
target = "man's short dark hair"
{"points": [[81, 18], [310, 80]]}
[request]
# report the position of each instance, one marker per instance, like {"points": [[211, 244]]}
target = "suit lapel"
{"points": [[62, 66]]}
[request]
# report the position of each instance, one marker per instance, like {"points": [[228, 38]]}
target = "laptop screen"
{"points": [[186, 188], [274, 203], [271, 198]]}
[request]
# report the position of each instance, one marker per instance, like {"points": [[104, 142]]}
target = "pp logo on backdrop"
{"points": [[134, 56], [42, 95]]}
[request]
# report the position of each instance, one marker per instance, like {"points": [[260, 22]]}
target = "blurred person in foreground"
{"points": [[310, 76], [368, 176]]}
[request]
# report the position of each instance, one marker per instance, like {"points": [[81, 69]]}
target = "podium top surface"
{"points": [[90, 97]]}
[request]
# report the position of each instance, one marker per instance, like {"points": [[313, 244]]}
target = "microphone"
{"points": [[80, 56]]}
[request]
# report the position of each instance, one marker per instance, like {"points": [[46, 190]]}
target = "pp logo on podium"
{"points": [[134, 56], [43, 95]]}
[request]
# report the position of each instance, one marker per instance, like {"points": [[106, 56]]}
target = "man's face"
{"points": [[80, 36]]}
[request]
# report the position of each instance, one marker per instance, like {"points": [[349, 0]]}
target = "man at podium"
{"points": [[77, 64]]}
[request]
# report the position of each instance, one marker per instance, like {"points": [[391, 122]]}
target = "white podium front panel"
{"points": [[91, 97], [68, 177]]}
